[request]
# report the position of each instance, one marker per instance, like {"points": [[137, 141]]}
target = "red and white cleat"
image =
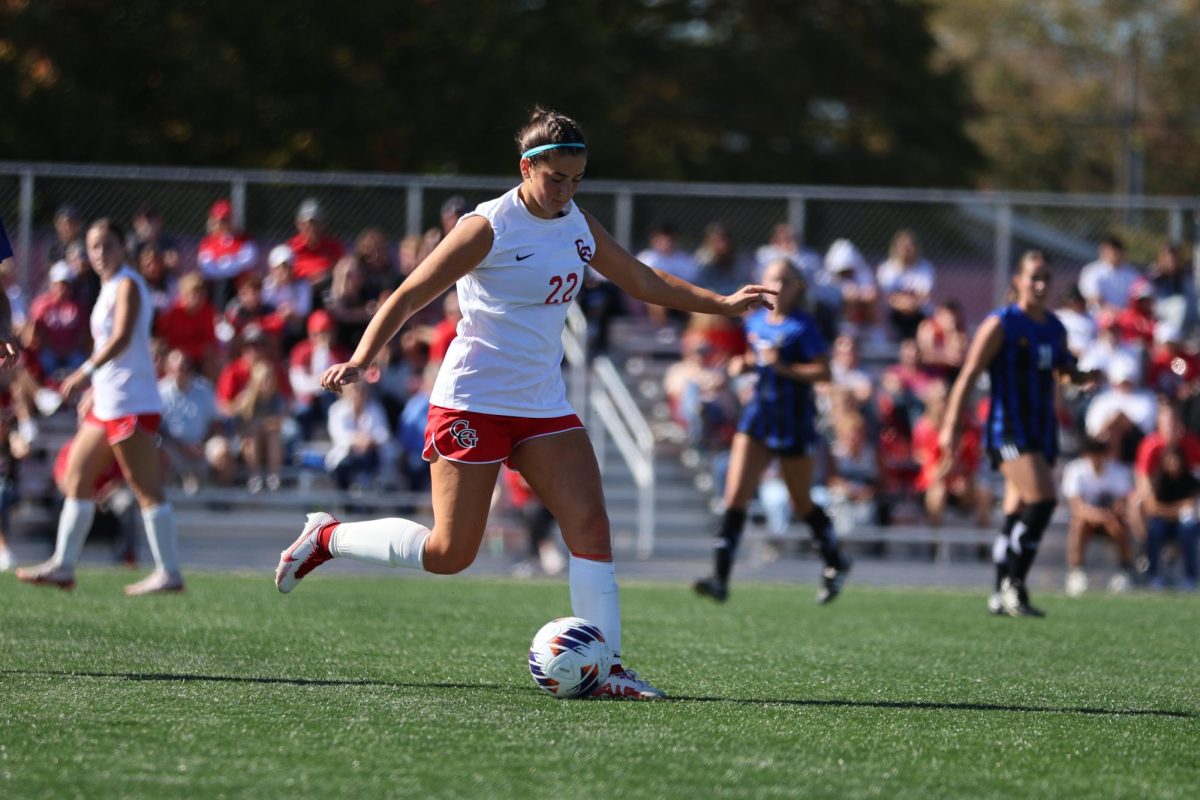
{"points": [[48, 574], [305, 554], [624, 684], [157, 582]]}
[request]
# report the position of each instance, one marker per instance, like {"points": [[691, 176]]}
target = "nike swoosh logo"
{"points": [[522, 258]]}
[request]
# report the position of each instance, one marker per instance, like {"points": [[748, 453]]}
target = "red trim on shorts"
{"points": [[593, 556], [472, 437], [119, 429]]}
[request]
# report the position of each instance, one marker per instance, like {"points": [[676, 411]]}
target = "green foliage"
{"points": [[418, 687]]}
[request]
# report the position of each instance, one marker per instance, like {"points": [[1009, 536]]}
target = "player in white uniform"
{"points": [[120, 420], [519, 261]]}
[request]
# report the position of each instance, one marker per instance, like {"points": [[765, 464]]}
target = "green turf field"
{"points": [[418, 687]]}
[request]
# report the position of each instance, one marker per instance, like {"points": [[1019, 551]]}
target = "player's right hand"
{"points": [[337, 376]]}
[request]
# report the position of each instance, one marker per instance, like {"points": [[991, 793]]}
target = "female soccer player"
{"points": [[1022, 346], [122, 421], [789, 357], [519, 261]]}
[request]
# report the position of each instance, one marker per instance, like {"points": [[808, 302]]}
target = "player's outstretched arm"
{"points": [[663, 289], [464, 247]]}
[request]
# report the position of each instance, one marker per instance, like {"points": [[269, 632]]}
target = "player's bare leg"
{"points": [[141, 463]]}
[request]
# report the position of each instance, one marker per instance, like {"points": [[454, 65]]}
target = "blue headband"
{"points": [[533, 151]]}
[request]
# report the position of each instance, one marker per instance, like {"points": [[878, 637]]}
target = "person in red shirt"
{"points": [[190, 324], [445, 331], [956, 483], [315, 252], [225, 253], [1135, 323], [1173, 371], [308, 361], [59, 326], [1169, 432], [253, 391]]}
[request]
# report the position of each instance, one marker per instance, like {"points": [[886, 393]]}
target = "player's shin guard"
{"points": [[594, 596], [726, 544], [1027, 536], [73, 525], [823, 534], [392, 542], [1000, 549], [160, 532]]}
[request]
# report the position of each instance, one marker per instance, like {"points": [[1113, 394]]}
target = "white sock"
{"points": [[74, 523], [160, 531], [594, 596], [391, 542]]}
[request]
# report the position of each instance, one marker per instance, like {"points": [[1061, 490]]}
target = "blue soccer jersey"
{"points": [[782, 413], [1021, 415], [6, 250]]}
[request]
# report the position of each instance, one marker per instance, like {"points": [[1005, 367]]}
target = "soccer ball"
{"points": [[569, 657]]}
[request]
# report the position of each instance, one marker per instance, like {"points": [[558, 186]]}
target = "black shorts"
{"points": [[1011, 452]]}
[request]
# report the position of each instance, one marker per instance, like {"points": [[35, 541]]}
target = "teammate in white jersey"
{"points": [[519, 262], [120, 419]]}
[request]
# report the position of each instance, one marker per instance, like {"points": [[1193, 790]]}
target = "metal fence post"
{"points": [[414, 202], [623, 224], [1175, 226], [796, 215], [25, 234], [237, 199], [1003, 252]]}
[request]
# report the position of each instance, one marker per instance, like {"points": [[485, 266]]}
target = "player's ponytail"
{"points": [[548, 131]]}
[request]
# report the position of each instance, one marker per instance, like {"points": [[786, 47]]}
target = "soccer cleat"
{"points": [[1077, 582], [157, 582], [624, 684], [6, 559], [305, 554], [712, 587], [996, 604], [48, 574], [832, 579], [1015, 597]]}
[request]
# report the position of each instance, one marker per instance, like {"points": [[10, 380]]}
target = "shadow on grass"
{"points": [[903, 705]]}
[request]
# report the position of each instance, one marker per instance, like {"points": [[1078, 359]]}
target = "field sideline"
{"points": [[372, 687]]}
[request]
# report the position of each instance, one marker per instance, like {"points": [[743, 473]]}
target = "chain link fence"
{"points": [[971, 238]]}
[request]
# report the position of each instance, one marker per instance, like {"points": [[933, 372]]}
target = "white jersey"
{"points": [[507, 357], [125, 384]]}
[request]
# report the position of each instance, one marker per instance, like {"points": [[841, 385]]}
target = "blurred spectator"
{"points": [[854, 472], [1097, 489], [59, 330], [846, 372], [945, 481], [160, 281], [315, 252], [445, 331], [1173, 372], [189, 419], [664, 253], [68, 230], [410, 432], [1081, 326], [942, 341], [308, 361], [699, 396], [909, 371], [849, 276], [723, 269], [380, 275], [452, 210], [783, 243], [1174, 288], [248, 308], [408, 254], [1122, 414], [350, 301], [724, 336], [291, 298], [1168, 433], [1135, 322], [397, 379], [147, 230], [225, 253], [190, 324], [252, 391], [1107, 345], [85, 285], [358, 431], [543, 554], [16, 297], [906, 281], [1171, 505], [1105, 283]]}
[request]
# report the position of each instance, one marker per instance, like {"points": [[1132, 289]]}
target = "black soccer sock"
{"points": [[1000, 549], [725, 547], [822, 533], [1027, 536]]}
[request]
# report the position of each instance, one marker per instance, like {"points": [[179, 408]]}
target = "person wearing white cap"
{"points": [[291, 298], [1121, 414], [59, 326], [847, 272], [314, 252]]}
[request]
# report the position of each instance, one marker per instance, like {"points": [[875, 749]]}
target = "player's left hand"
{"points": [[746, 299], [73, 383]]}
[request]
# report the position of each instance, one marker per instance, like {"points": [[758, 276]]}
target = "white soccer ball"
{"points": [[569, 657]]}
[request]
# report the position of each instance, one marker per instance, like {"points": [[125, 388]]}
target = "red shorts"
{"points": [[119, 429], [109, 480], [471, 437]]}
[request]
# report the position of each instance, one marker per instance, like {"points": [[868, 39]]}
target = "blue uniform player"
{"points": [[1024, 348], [788, 356]]}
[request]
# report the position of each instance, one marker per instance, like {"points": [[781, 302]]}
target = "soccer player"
{"points": [[1022, 346], [789, 356], [121, 420], [519, 261]]}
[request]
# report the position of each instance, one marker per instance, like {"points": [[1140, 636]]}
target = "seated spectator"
{"points": [[380, 275], [1105, 283], [59, 327], [1097, 489], [944, 481], [451, 211], [308, 361], [252, 391], [1081, 326], [854, 470], [849, 277], [909, 371], [147, 230], [290, 297], [248, 308], [358, 431], [1170, 505], [350, 302], [397, 379], [664, 253], [1122, 414], [897, 409], [189, 421], [699, 396], [445, 331], [315, 252], [942, 341], [68, 230], [723, 336], [16, 298], [225, 253], [163, 286], [1107, 346], [906, 282], [1174, 288], [85, 285], [190, 324], [1169, 432], [785, 244], [723, 269], [1173, 372], [846, 372], [410, 432], [1135, 322]]}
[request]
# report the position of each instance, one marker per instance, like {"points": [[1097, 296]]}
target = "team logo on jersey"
{"points": [[585, 252], [464, 434]]}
